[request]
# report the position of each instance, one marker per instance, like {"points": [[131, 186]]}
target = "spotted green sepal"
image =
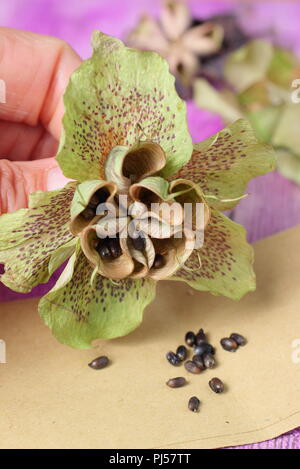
{"points": [[223, 164], [35, 241], [121, 96], [83, 307], [223, 266]]}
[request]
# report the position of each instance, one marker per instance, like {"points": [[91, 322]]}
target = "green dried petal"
{"points": [[224, 103], [289, 165], [223, 164], [29, 239], [226, 260], [150, 190], [249, 64], [121, 96], [79, 312], [286, 133]]}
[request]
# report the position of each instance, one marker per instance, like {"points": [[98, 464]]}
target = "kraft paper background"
{"points": [[50, 398]]}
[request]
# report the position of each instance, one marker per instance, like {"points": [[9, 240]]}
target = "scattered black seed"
{"points": [[173, 358], [209, 361], [194, 404], [200, 337], [190, 339], [203, 348], [138, 243], [199, 362], [158, 261], [181, 352], [229, 344], [99, 363], [239, 339], [216, 385], [191, 367], [88, 213], [176, 382]]}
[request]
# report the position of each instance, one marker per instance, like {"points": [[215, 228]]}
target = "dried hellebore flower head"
{"points": [[126, 143], [176, 40]]}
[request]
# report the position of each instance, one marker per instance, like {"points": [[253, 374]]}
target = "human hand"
{"points": [[35, 70]]}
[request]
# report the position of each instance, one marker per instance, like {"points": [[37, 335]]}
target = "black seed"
{"points": [[199, 362], [216, 385], [104, 251], [99, 363], [239, 339], [88, 213], [139, 243], [190, 338], [204, 348], [158, 261], [191, 367], [181, 352], [229, 344], [194, 404], [176, 382], [114, 247], [200, 337], [173, 358], [209, 361]]}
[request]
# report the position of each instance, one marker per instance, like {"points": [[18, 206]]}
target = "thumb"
{"points": [[18, 179]]}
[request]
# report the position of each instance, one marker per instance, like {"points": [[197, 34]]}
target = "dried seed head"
{"points": [[216, 385], [229, 344], [194, 404], [239, 339], [190, 338], [209, 361], [99, 363], [199, 361], [191, 367], [172, 358], [176, 382]]}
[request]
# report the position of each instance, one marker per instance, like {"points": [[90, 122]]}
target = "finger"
{"points": [[18, 179], [35, 70], [23, 142]]}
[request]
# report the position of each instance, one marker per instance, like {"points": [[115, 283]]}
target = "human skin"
{"points": [[35, 70]]}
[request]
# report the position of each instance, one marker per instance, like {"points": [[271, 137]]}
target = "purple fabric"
{"points": [[274, 202]]}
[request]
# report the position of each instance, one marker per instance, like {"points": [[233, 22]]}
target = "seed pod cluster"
{"points": [[232, 343]]}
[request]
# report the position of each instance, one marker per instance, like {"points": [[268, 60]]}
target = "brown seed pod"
{"points": [[99, 363], [176, 382]]}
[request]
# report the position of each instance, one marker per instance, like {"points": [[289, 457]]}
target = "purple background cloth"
{"points": [[274, 202]]}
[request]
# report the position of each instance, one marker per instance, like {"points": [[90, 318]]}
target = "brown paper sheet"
{"points": [[50, 398]]}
